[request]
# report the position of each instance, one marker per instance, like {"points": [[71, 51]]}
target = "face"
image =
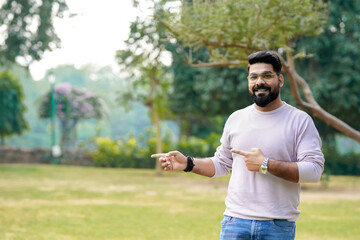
{"points": [[264, 84]]}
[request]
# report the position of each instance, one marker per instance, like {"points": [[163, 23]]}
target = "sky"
{"points": [[91, 37]]}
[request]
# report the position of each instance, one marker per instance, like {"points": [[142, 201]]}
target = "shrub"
{"points": [[341, 164], [121, 153], [107, 153], [135, 153], [197, 147]]}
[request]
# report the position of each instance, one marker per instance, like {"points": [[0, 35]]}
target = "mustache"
{"points": [[257, 87]]}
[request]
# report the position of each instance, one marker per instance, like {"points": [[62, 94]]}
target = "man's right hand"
{"points": [[172, 161]]}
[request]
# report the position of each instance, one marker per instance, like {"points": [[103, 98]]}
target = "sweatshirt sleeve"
{"points": [[222, 158], [310, 159]]}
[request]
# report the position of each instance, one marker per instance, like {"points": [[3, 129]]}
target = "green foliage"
{"points": [[135, 152], [197, 147], [128, 153], [206, 91], [193, 146], [341, 164], [107, 153], [229, 30], [27, 28], [232, 28], [12, 106], [148, 81], [237, 28]]}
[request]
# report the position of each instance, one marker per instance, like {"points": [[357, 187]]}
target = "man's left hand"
{"points": [[253, 159]]}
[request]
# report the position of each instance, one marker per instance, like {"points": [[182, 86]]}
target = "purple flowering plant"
{"points": [[72, 105]]}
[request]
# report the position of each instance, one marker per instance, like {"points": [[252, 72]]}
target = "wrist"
{"points": [[190, 164], [264, 167]]}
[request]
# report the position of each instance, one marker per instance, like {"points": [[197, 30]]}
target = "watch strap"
{"points": [[264, 167], [190, 164]]}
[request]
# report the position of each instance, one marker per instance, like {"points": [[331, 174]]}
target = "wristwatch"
{"points": [[264, 167], [190, 164]]}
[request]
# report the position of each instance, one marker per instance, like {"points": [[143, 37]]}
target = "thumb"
{"points": [[255, 150], [177, 155]]}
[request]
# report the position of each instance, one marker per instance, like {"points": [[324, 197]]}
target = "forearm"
{"points": [[285, 170], [204, 167], [310, 171]]}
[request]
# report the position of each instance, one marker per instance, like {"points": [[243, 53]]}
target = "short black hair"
{"points": [[265, 57]]}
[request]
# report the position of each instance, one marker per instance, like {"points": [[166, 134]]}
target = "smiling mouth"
{"points": [[261, 91]]}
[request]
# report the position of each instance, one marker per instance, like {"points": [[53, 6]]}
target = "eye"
{"points": [[267, 76], [253, 77]]}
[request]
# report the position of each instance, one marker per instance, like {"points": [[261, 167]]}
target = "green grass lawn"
{"points": [[69, 202]]}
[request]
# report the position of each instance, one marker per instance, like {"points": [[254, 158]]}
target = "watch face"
{"points": [[263, 170]]}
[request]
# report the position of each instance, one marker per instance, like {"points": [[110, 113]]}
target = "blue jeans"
{"points": [[237, 228]]}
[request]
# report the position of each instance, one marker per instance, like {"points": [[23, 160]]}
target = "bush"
{"points": [[197, 147], [135, 153], [124, 154], [128, 153], [12, 108], [341, 164], [107, 153]]}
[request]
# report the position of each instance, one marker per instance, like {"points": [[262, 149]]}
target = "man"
{"points": [[270, 147]]}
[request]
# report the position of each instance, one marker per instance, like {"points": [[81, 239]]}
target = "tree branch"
{"points": [[217, 64], [230, 45], [170, 29], [311, 103], [224, 45]]}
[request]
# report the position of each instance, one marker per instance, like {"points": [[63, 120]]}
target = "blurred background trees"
{"points": [[27, 29], [230, 30], [12, 108], [149, 80], [333, 69], [171, 103]]}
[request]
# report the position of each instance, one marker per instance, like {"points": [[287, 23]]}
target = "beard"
{"points": [[263, 100]]}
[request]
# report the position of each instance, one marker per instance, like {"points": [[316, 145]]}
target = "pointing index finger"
{"points": [[158, 155], [240, 152]]}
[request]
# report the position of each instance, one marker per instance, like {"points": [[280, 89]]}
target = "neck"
{"points": [[271, 106]]}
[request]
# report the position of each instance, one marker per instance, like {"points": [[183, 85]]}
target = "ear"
{"points": [[281, 80]]}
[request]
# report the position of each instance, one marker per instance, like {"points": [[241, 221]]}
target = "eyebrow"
{"points": [[265, 72]]}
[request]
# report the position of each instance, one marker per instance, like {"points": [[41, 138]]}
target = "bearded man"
{"points": [[270, 148]]}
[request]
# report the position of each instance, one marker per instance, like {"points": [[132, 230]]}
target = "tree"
{"points": [[148, 77], [27, 29], [72, 106], [12, 108], [232, 29]]}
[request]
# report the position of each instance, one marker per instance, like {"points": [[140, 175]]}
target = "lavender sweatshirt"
{"points": [[284, 134]]}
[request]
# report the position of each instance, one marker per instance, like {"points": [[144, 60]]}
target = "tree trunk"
{"points": [[158, 139], [68, 136], [2, 140]]}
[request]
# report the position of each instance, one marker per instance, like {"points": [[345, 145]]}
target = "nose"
{"points": [[259, 81]]}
